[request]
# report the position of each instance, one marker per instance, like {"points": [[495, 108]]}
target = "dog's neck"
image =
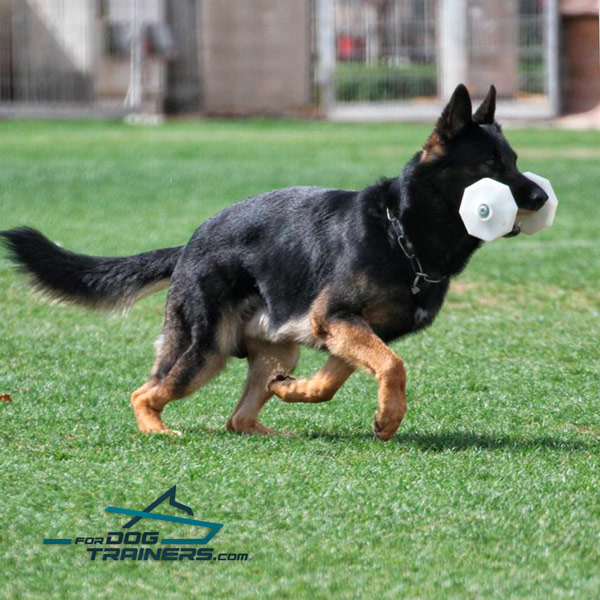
{"points": [[432, 224]]}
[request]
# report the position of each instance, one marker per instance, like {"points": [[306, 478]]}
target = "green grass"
{"points": [[490, 489]]}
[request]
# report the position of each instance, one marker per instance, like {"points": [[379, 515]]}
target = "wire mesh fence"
{"points": [[385, 50], [364, 52], [533, 39], [79, 54], [394, 50], [46, 52]]}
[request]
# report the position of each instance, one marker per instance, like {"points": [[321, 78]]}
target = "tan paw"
{"points": [[154, 428], [149, 421], [171, 432], [384, 428], [253, 429], [279, 383]]}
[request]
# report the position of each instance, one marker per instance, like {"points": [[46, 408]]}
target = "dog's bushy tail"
{"points": [[97, 282]]}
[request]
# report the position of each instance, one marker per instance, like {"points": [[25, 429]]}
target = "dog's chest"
{"points": [[406, 314], [427, 304], [423, 317]]}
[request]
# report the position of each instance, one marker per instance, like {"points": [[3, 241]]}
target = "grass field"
{"points": [[490, 489]]}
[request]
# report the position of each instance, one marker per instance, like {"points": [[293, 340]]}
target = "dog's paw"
{"points": [[175, 432], [253, 428], [162, 431], [277, 381], [384, 428]]}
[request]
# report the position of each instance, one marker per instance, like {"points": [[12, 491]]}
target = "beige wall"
{"points": [[255, 56], [578, 7], [494, 28]]}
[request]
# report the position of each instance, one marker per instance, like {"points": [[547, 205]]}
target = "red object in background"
{"points": [[350, 47], [345, 47]]}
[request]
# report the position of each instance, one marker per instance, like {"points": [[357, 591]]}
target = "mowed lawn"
{"points": [[490, 489]]}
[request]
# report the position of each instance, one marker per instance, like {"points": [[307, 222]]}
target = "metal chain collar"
{"points": [[409, 251]]}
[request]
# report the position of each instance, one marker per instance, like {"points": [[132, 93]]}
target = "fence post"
{"points": [[134, 96], [552, 56], [453, 45], [325, 55]]}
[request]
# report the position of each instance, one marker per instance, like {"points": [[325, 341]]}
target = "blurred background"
{"points": [[339, 59]]}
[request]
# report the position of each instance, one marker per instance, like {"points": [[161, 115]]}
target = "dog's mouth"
{"points": [[516, 230]]}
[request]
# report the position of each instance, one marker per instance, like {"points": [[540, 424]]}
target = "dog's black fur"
{"points": [[256, 269]]}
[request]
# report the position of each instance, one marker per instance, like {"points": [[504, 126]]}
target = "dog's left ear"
{"points": [[453, 119], [457, 113], [486, 112]]}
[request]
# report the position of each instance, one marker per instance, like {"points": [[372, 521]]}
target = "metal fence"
{"points": [[385, 50], [82, 56], [46, 52], [372, 58], [386, 58]]}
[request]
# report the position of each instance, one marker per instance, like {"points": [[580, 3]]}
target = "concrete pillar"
{"points": [[325, 30], [256, 56], [453, 55]]}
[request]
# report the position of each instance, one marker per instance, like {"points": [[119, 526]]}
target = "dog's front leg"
{"points": [[321, 387], [354, 342]]}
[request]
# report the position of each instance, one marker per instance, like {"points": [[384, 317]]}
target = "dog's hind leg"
{"points": [[184, 362], [264, 361], [321, 387], [192, 370]]}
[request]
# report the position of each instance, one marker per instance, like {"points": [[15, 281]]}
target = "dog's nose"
{"points": [[537, 197]]}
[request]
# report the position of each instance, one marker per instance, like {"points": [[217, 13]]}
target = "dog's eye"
{"points": [[491, 162]]}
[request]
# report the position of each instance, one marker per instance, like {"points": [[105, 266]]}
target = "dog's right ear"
{"points": [[486, 112], [453, 119]]}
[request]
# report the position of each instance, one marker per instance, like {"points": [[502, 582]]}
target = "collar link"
{"points": [[409, 251]]}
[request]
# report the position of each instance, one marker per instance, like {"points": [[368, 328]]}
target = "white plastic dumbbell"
{"points": [[532, 222], [489, 210]]}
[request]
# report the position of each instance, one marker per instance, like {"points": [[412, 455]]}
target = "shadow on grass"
{"points": [[442, 441], [439, 441], [465, 440]]}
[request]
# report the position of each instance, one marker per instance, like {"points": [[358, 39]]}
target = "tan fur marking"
{"points": [[321, 387], [357, 344], [318, 311], [149, 400], [433, 148]]}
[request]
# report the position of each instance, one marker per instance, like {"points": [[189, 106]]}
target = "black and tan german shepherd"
{"points": [[343, 271]]}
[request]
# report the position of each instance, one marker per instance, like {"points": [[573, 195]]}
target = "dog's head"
{"points": [[466, 147]]}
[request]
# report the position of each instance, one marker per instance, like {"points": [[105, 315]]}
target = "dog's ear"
{"points": [[486, 112], [454, 117], [457, 113]]}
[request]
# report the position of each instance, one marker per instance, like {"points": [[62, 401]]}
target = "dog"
{"points": [[346, 272]]}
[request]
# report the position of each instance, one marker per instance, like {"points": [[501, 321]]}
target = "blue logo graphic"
{"points": [[148, 545], [146, 514], [169, 495]]}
